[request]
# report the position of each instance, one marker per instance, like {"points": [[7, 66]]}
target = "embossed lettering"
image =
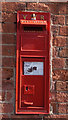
{"points": [[42, 17], [24, 16]]}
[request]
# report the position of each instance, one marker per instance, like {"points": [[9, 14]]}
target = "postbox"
{"points": [[32, 63]]}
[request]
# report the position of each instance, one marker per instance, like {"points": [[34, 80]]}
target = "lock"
{"points": [[29, 89], [32, 63]]}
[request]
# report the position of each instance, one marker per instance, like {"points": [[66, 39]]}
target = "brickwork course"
{"points": [[59, 56]]}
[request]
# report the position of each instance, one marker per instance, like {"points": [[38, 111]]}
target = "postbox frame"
{"points": [[18, 60]]}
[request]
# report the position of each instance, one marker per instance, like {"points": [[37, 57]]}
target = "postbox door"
{"points": [[32, 83]]}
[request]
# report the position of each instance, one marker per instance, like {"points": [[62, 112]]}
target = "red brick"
{"points": [[0, 68], [1, 84], [0, 17], [67, 85], [63, 52], [9, 96], [58, 19], [8, 62], [53, 104], [67, 97], [4, 116], [62, 108], [67, 20], [67, 8], [63, 30], [8, 50], [67, 108], [63, 8], [67, 41], [52, 97], [25, 117], [0, 27], [8, 17], [55, 52], [53, 85], [59, 41], [6, 108], [55, 30], [66, 63], [0, 53], [7, 73], [2, 95], [1, 116], [28, 118], [61, 85], [0, 38], [8, 39], [55, 117], [8, 85], [12, 6], [58, 8], [61, 97], [1, 108], [9, 28], [38, 6], [60, 75], [58, 63]]}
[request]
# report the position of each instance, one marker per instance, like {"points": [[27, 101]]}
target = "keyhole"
{"points": [[27, 88]]}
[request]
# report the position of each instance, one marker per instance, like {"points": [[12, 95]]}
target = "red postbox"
{"points": [[32, 63]]}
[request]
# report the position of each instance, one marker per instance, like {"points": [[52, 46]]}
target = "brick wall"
{"points": [[59, 56]]}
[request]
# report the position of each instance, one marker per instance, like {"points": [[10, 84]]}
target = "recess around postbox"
{"points": [[32, 63]]}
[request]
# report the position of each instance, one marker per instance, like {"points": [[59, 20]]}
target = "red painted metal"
{"points": [[33, 45]]}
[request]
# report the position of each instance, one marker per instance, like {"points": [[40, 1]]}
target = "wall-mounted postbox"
{"points": [[32, 63]]}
